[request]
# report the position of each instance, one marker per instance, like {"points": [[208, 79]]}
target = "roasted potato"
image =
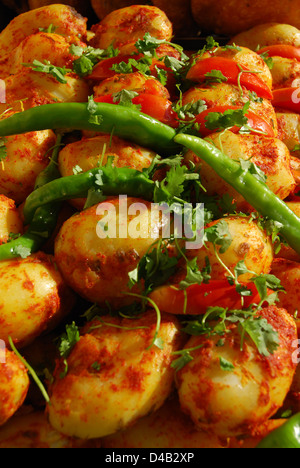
{"points": [[11, 222], [267, 34], [289, 274]]}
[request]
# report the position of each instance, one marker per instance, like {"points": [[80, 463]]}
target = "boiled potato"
{"points": [[289, 274], [286, 251], [234, 402], [123, 27], [32, 430], [26, 156], [68, 22], [284, 72], [97, 248], [180, 14], [103, 7], [224, 94], [40, 46], [86, 154], [115, 375], [14, 384], [29, 88], [289, 129], [269, 154], [267, 34], [249, 243], [167, 427], [10, 219], [34, 298], [234, 16]]}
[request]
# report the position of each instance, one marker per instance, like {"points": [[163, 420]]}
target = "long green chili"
{"points": [[285, 436]]}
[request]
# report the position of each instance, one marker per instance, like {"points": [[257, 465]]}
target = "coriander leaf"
{"points": [[57, 72], [22, 251], [92, 109], [182, 361], [226, 365], [227, 119], [262, 333], [215, 76], [218, 234], [124, 98], [88, 57]]}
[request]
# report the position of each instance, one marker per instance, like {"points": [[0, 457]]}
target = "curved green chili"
{"points": [[257, 193], [122, 121], [43, 221], [285, 436]]}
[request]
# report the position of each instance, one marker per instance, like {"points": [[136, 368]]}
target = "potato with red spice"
{"points": [[123, 27], [34, 297], [268, 34], [230, 391], [117, 372], [14, 384], [241, 239], [10, 220], [97, 248], [289, 274]]}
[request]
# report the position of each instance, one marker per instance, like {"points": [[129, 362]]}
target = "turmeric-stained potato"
{"points": [[26, 156], [14, 384], [248, 242], [88, 152], [130, 82], [67, 21], [40, 46], [36, 88], [268, 34], [116, 375], [286, 251], [228, 391], [123, 27], [269, 154], [224, 94], [34, 298], [97, 248], [284, 72], [289, 274], [168, 427], [10, 219], [289, 130], [32, 430]]}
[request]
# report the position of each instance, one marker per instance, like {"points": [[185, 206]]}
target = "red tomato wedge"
{"points": [[153, 105], [287, 98], [197, 298], [233, 72], [254, 121], [281, 50]]}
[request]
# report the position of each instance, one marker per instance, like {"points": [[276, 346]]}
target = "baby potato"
{"points": [[289, 274], [10, 219], [289, 130], [269, 154], [131, 82], [68, 22], [87, 153], [224, 94], [116, 375], [230, 402], [34, 298], [268, 34], [36, 88], [168, 427], [32, 430], [284, 72], [14, 384], [26, 156], [123, 27], [286, 251], [40, 46], [97, 248], [249, 243]]}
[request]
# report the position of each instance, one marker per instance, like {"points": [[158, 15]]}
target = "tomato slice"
{"points": [[287, 98], [197, 298], [254, 121], [153, 105], [104, 70], [233, 72], [281, 50]]}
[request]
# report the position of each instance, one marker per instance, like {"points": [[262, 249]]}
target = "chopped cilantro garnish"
{"points": [[57, 72]]}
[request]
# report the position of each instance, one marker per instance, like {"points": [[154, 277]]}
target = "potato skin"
{"points": [[289, 274], [87, 153], [132, 378], [289, 129], [10, 219], [14, 384], [267, 34], [95, 265], [233, 403], [249, 243], [27, 156], [34, 298], [270, 154]]}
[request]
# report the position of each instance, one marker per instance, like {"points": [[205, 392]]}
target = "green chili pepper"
{"points": [[250, 187], [43, 221], [125, 122], [285, 436]]}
